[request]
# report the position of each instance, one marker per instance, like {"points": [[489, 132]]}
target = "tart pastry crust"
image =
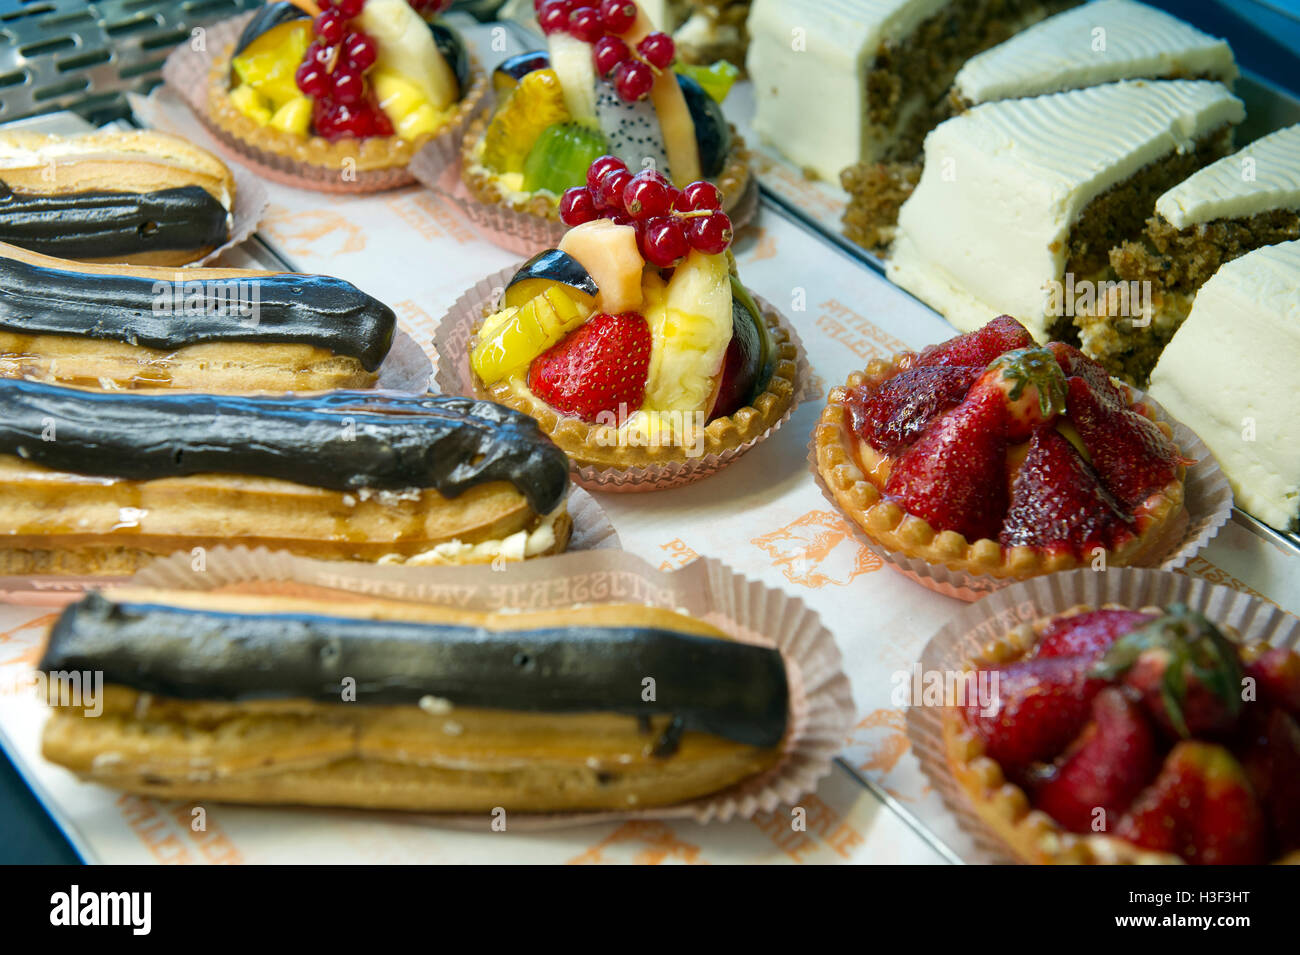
{"points": [[1160, 521], [602, 446]]}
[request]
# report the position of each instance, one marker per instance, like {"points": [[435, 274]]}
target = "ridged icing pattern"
{"points": [[1061, 53], [1262, 177]]}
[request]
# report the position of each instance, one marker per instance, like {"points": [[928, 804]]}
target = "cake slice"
{"points": [[1102, 42], [838, 81], [1229, 375], [1240, 203], [1021, 200]]}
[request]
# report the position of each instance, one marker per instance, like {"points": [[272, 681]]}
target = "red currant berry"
{"points": [[577, 206], [584, 23], [608, 53], [360, 51], [609, 191], [698, 196], [664, 242], [647, 196], [553, 17], [596, 171], [349, 8], [622, 218], [633, 80], [658, 49], [329, 26], [312, 79], [617, 15], [348, 86], [711, 234], [317, 53]]}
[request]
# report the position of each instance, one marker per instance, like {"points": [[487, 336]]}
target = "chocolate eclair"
{"points": [[214, 330], [131, 196], [390, 705], [98, 482]]}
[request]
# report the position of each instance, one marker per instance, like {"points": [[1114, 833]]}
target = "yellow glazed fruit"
{"points": [[251, 103], [538, 102], [294, 116], [268, 63], [512, 338]]}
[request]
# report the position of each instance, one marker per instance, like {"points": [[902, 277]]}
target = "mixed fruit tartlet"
{"points": [[991, 455], [349, 86], [608, 83], [634, 343], [1120, 735]]}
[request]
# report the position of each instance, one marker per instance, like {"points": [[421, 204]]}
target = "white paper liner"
{"points": [[406, 368], [965, 636], [821, 708], [591, 531], [438, 166], [187, 72], [1208, 499], [454, 376]]}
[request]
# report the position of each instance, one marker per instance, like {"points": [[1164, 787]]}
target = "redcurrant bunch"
{"points": [[333, 69], [603, 26]]}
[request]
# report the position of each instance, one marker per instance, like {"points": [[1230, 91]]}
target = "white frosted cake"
{"points": [[1230, 375], [837, 81], [1101, 42], [1242, 202], [1018, 193]]}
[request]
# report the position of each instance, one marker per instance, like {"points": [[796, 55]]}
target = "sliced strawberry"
{"points": [[1272, 761], [1201, 807], [1058, 503], [1076, 364], [1104, 768], [1089, 633], [978, 347], [1276, 673], [1132, 455], [954, 474], [597, 369], [1040, 706], [1189, 674], [892, 416]]}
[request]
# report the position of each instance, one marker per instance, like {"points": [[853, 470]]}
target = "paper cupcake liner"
{"points": [[821, 702], [522, 233], [406, 368], [454, 376], [591, 531], [188, 72], [964, 638], [1208, 499]]}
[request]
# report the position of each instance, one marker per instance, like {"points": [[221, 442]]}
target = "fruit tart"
{"points": [[1118, 735], [351, 89], [991, 455], [608, 83], [634, 343]]}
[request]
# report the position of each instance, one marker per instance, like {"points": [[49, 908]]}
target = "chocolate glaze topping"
{"points": [[734, 690], [344, 440], [278, 307], [95, 225]]}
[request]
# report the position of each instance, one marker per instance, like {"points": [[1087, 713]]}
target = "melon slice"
{"points": [[610, 255], [674, 116]]}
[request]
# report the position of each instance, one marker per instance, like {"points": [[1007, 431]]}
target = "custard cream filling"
{"points": [[517, 546]]}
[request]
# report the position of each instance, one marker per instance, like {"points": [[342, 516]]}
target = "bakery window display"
{"points": [[1229, 374], [606, 84], [1101, 42], [122, 327], [991, 455], [1240, 203], [634, 343], [135, 196], [1021, 201], [98, 483], [1119, 734], [234, 698], [348, 87]]}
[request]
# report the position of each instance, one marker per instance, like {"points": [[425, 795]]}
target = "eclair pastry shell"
{"points": [[435, 759]]}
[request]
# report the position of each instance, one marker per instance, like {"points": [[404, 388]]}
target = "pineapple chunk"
{"points": [[420, 122], [268, 63], [251, 103], [690, 329], [538, 102], [406, 47], [511, 339], [294, 116], [397, 96]]}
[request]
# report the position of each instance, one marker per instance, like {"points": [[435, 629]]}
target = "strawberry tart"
{"points": [[991, 455], [634, 343], [1120, 735]]}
